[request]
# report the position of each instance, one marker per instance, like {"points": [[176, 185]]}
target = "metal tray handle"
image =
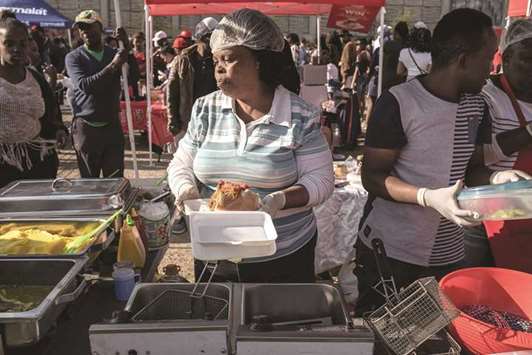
{"points": [[60, 181], [115, 201], [69, 297]]}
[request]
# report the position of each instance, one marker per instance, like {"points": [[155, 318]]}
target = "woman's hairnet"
{"points": [[518, 31], [248, 28]]}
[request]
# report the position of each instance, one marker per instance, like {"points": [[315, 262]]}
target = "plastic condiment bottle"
{"points": [[124, 279], [130, 246]]}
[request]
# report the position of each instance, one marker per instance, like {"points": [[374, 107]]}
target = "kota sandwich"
{"points": [[233, 197]]}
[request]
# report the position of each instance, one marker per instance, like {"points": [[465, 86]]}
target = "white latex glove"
{"points": [[187, 192], [444, 201], [502, 177], [273, 203]]}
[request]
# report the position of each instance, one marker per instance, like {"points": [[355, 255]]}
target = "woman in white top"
{"points": [[415, 60], [30, 124]]}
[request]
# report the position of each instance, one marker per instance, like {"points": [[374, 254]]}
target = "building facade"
{"points": [[495, 8], [428, 11]]}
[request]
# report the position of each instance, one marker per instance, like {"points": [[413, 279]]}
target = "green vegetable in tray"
{"points": [[508, 214], [15, 298]]}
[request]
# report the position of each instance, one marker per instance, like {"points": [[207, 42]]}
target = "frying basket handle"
{"points": [[381, 258], [56, 184], [69, 297]]}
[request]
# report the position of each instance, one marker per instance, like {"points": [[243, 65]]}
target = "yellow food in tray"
{"points": [[45, 238], [31, 241], [64, 229], [512, 213]]}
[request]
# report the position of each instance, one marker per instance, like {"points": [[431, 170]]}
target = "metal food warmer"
{"points": [[60, 276], [281, 319], [54, 201]]}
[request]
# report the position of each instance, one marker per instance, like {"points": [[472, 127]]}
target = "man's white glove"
{"points": [[502, 177], [444, 202], [273, 203], [187, 192]]}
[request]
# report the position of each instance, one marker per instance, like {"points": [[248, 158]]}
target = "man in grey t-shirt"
{"points": [[423, 140]]}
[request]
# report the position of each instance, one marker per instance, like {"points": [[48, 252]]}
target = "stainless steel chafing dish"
{"points": [[25, 328], [62, 197], [77, 200], [54, 200], [98, 243]]}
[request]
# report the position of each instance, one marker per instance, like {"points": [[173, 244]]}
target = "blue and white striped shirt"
{"points": [[281, 149]]}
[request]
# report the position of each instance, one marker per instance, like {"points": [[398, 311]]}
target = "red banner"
{"points": [[160, 134], [358, 18]]}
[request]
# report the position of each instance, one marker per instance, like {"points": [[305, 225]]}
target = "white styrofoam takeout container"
{"points": [[224, 235]]}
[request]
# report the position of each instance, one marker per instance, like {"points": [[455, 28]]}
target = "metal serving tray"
{"points": [[26, 328], [99, 243], [62, 197]]}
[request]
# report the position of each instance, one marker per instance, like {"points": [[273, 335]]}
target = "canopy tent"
{"points": [[36, 12], [519, 8], [280, 8], [222, 7]]}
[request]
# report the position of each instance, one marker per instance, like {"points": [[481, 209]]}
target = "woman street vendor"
{"points": [[254, 131], [30, 122], [509, 96]]}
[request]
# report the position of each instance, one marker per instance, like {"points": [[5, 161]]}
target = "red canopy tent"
{"points": [[221, 7], [519, 8], [201, 7]]}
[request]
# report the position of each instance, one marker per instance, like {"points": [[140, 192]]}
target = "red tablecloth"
{"points": [[160, 133]]}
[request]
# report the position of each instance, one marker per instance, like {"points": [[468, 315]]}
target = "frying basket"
{"points": [[412, 316]]}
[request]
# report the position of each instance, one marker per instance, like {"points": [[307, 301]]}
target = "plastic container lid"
{"points": [[487, 191]]}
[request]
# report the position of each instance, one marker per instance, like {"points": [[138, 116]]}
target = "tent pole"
{"points": [[151, 49], [318, 37], [381, 51], [148, 80], [529, 8], [126, 95], [150, 28], [69, 36]]}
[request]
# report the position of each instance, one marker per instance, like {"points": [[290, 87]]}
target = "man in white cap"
{"points": [[94, 70], [160, 39], [509, 97], [191, 76]]}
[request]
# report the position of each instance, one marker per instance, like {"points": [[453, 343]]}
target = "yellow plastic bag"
{"points": [[130, 247]]}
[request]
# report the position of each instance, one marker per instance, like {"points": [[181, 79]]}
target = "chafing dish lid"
{"points": [[63, 197], [62, 188]]}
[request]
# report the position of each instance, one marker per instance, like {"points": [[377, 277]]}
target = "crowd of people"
{"points": [[232, 98]]}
